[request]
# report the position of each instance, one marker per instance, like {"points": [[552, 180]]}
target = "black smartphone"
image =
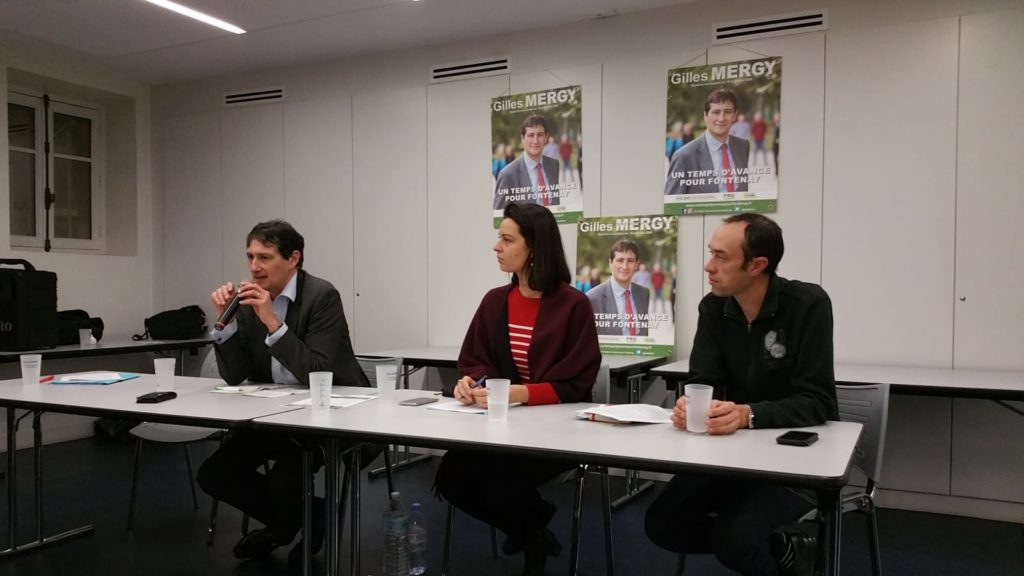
{"points": [[418, 401], [797, 438], [154, 397]]}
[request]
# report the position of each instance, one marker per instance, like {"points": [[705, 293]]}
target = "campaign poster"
{"points": [[626, 265], [722, 138], [537, 152]]}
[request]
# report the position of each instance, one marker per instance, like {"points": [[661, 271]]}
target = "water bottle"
{"points": [[396, 538], [417, 542]]}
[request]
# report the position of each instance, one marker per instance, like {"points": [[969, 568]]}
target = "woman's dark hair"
{"points": [[547, 257], [281, 235]]}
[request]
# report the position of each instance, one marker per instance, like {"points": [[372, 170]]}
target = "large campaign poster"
{"points": [[722, 138], [626, 265], [537, 151]]}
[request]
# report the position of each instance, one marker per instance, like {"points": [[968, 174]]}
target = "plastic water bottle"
{"points": [[396, 538], [417, 542]]}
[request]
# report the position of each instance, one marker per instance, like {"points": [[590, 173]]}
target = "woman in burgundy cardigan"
{"points": [[538, 331]]}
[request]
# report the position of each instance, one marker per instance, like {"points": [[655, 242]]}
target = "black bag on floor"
{"points": [[28, 307], [181, 324], [69, 322]]}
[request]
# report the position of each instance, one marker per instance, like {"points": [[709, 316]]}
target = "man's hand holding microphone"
{"points": [[227, 298]]}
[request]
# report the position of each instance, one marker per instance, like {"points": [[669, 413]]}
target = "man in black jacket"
{"points": [[289, 323], [765, 344]]}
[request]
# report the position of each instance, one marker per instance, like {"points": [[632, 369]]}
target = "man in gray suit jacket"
{"points": [[709, 164], [520, 179], [289, 323], [611, 300]]}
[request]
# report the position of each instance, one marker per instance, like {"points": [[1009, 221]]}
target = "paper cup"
{"points": [[320, 390], [698, 402], [497, 398], [164, 370], [387, 380], [31, 364]]}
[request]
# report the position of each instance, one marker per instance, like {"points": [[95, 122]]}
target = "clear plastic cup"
{"points": [[164, 370], [31, 365], [497, 398], [698, 402], [320, 390], [387, 380], [85, 337]]}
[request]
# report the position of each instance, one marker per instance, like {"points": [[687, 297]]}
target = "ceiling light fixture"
{"points": [[186, 11]]}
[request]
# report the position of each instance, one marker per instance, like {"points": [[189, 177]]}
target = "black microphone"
{"points": [[229, 312]]}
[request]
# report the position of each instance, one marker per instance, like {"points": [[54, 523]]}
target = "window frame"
{"points": [[66, 106]]}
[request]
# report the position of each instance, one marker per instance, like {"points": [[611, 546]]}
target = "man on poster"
{"points": [[709, 164], [532, 177], [620, 305]]}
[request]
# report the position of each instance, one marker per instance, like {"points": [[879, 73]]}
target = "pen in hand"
{"points": [[466, 396]]}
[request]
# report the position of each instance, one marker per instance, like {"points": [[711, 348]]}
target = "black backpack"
{"points": [[181, 324], [69, 322]]}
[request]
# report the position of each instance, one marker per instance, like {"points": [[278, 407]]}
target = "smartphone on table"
{"points": [[797, 438]]}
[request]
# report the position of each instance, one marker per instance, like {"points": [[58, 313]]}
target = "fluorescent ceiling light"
{"points": [[185, 11]]}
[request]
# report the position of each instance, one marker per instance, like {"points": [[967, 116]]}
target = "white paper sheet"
{"points": [[627, 413]]}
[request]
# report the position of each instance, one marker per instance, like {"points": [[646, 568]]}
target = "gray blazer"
{"points": [[317, 340], [602, 299], [515, 175], [695, 157]]}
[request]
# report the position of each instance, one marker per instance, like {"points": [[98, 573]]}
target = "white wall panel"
{"points": [[192, 246], [990, 202], [633, 170], [800, 161], [252, 177], [318, 188], [390, 185], [889, 176], [461, 265]]}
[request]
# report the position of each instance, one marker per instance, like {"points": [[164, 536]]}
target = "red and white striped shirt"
{"points": [[522, 316]]}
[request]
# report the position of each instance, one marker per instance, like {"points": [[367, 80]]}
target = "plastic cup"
{"points": [[85, 337], [320, 390], [31, 364], [497, 399], [698, 402], [387, 380], [164, 370]]}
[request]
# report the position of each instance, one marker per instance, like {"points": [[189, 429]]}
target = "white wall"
{"points": [[118, 288]]}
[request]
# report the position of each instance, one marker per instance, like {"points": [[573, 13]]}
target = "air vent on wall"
{"points": [[769, 26], [494, 66], [249, 97]]}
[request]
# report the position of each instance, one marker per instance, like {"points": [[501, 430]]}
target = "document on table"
{"points": [[260, 390], [338, 400], [456, 406], [95, 378], [627, 414]]}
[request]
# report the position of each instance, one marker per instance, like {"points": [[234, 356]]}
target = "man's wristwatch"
{"points": [[750, 417]]}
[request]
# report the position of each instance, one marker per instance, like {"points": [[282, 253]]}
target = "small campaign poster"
{"points": [[537, 151], [722, 138], [626, 265]]}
